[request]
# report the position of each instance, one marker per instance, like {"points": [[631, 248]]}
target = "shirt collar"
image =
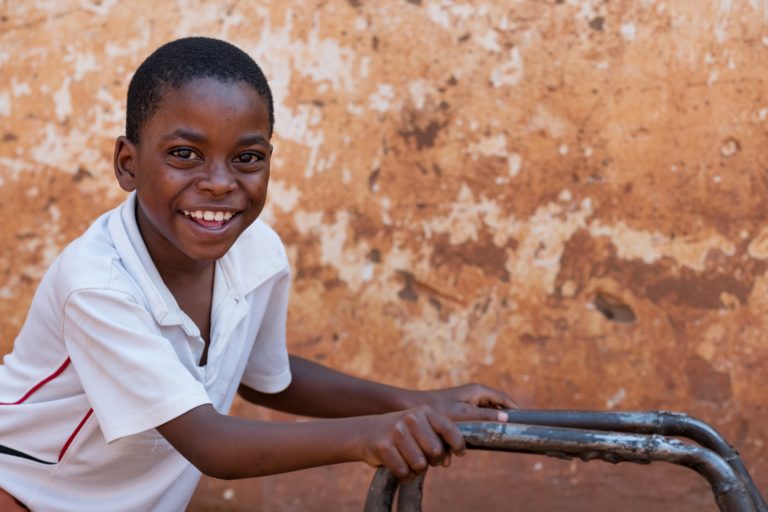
{"points": [[137, 261]]}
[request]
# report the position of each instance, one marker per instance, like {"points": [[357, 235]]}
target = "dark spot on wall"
{"points": [[414, 2], [355, 3], [464, 37], [597, 23], [375, 43], [374, 256], [613, 308], [9, 137], [530, 339], [424, 137], [407, 292], [314, 340], [452, 81], [663, 282], [701, 291], [482, 254], [373, 178], [330, 284], [706, 384], [435, 303], [81, 174]]}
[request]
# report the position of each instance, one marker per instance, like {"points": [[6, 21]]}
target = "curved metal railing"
{"points": [[639, 437]]}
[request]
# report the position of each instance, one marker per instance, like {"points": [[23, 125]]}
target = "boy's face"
{"points": [[200, 171]]}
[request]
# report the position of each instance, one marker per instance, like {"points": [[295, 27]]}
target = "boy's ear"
{"points": [[125, 163]]}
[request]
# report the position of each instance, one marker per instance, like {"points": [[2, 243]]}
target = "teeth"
{"points": [[209, 215]]}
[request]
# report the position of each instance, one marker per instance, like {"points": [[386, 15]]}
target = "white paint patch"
{"points": [[690, 251], [5, 104], [283, 196], [438, 15], [464, 219], [20, 88], [616, 399], [382, 98], [713, 76], [419, 90], [544, 120], [563, 149], [63, 101], [758, 247], [628, 31], [360, 23], [438, 343], [84, 63], [349, 261], [489, 41], [494, 145], [100, 8], [541, 241], [355, 110], [514, 164], [721, 23], [509, 73]]}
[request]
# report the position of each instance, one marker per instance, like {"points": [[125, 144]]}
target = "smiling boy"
{"points": [[144, 328]]}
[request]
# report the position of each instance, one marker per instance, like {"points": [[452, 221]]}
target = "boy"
{"points": [[143, 329]]}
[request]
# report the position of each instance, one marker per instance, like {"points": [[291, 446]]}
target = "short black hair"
{"points": [[176, 63]]}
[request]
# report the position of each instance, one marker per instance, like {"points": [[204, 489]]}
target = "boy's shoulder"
{"points": [[91, 261]]}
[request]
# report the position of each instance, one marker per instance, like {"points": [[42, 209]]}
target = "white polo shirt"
{"points": [[106, 355]]}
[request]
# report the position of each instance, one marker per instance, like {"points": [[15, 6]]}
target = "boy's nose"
{"points": [[217, 179]]}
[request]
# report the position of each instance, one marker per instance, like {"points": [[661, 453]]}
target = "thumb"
{"points": [[473, 413]]}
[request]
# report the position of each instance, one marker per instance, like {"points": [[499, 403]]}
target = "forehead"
{"points": [[211, 104]]}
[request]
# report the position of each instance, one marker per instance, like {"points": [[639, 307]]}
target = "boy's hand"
{"points": [[406, 442], [470, 402]]}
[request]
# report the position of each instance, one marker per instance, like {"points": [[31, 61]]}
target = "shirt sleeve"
{"points": [[130, 373], [268, 369]]}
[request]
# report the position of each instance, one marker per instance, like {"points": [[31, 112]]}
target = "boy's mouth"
{"points": [[210, 218]]}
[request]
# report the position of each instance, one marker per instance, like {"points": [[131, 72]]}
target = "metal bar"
{"points": [[652, 422], [410, 493], [729, 490], [381, 493]]}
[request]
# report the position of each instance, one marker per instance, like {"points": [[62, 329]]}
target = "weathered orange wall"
{"points": [[463, 187]]}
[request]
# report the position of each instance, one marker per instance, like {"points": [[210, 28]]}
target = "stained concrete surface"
{"points": [[564, 199]]}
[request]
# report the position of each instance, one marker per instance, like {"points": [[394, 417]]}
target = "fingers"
{"points": [[488, 397], [417, 439]]}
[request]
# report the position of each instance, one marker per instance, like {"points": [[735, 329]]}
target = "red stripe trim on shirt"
{"points": [[74, 433], [40, 384]]}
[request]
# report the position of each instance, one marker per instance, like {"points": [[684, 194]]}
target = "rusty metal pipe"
{"points": [[728, 488], [648, 422]]}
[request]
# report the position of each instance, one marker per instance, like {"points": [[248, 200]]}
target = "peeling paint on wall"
{"points": [[565, 199]]}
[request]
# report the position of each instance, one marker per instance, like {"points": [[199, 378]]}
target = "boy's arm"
{"points": [[228, 447], [316, 390]]}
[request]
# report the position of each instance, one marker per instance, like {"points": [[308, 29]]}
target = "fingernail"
{"points": [[503, 417]]}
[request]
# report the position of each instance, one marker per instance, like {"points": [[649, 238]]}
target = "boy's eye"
{"points": [[185, 154], [249, 158]]}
